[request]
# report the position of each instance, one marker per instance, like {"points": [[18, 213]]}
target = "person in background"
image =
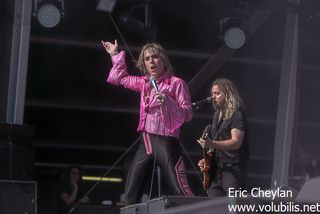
{"points": [[229, 142], [165, 105], [71, 190]]}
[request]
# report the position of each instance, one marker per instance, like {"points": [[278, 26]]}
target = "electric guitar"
{"points": [[207, 156]]}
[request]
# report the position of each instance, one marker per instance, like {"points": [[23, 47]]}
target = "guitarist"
{"points": [[228, 140]]}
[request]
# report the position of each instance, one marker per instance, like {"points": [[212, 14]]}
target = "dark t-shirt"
{"points": [[64, 187], [222, 131]]}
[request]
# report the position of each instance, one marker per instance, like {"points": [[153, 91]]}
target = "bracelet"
{"points": [[114, 53]]}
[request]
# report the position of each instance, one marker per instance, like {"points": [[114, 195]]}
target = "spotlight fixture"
{"points": [[137, 21], [233, 31], [133, 19], [48, 13], [106, 5]]}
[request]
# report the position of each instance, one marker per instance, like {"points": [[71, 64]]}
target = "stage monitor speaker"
{"points": [[97, 209], [18, 197], [310, 191], [140, 208], [166, 202], [180, 205], [219, 205]]}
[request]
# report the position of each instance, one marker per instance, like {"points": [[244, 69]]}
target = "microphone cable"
{"points": [[154, 159]]}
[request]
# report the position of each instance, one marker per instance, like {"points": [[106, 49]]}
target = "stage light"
{"points": [[48, 13], [131, 21], [234, 37], [105, 179], [106, 5], [137, 21], [49, 16], [233, 32]]}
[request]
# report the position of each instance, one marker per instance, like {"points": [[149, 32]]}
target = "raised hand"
{"points": [[110, 47]]}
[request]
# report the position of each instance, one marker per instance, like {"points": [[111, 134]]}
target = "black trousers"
{"points": [[226, 176], [167, 153]]}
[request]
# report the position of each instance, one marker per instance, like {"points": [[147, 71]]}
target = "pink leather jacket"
{"points": [[165, 119]]}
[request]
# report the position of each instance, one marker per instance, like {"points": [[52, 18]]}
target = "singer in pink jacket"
{"points": [[165, 105]]}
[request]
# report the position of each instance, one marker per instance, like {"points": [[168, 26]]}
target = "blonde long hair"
{"points": [[233, 100], [157, 49]]}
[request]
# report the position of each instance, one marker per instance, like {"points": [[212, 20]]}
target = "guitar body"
{"points": [[207, 156]]}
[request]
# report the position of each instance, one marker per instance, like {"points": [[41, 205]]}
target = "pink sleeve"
{"points": [[119, 75], [179, 108], [184, 100]]}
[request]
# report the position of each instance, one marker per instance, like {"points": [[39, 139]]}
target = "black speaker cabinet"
{"points": [[18, 197], [16, 152]]}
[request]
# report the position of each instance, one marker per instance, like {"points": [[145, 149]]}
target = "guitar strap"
{"points": [[215, 128]]}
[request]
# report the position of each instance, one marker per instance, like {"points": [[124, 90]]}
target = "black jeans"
{"points": [[226, 176]]}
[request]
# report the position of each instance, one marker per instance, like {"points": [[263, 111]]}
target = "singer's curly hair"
{"points": [[233, 101], [157, 49]]}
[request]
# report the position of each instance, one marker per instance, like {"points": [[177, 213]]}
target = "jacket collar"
{"points": [[163, 78]]}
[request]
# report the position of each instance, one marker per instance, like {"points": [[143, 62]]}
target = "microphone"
{"points": [[153, 83], [197, 105]]}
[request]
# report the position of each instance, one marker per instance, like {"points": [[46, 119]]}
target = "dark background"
{"points": [[79, 118]]}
